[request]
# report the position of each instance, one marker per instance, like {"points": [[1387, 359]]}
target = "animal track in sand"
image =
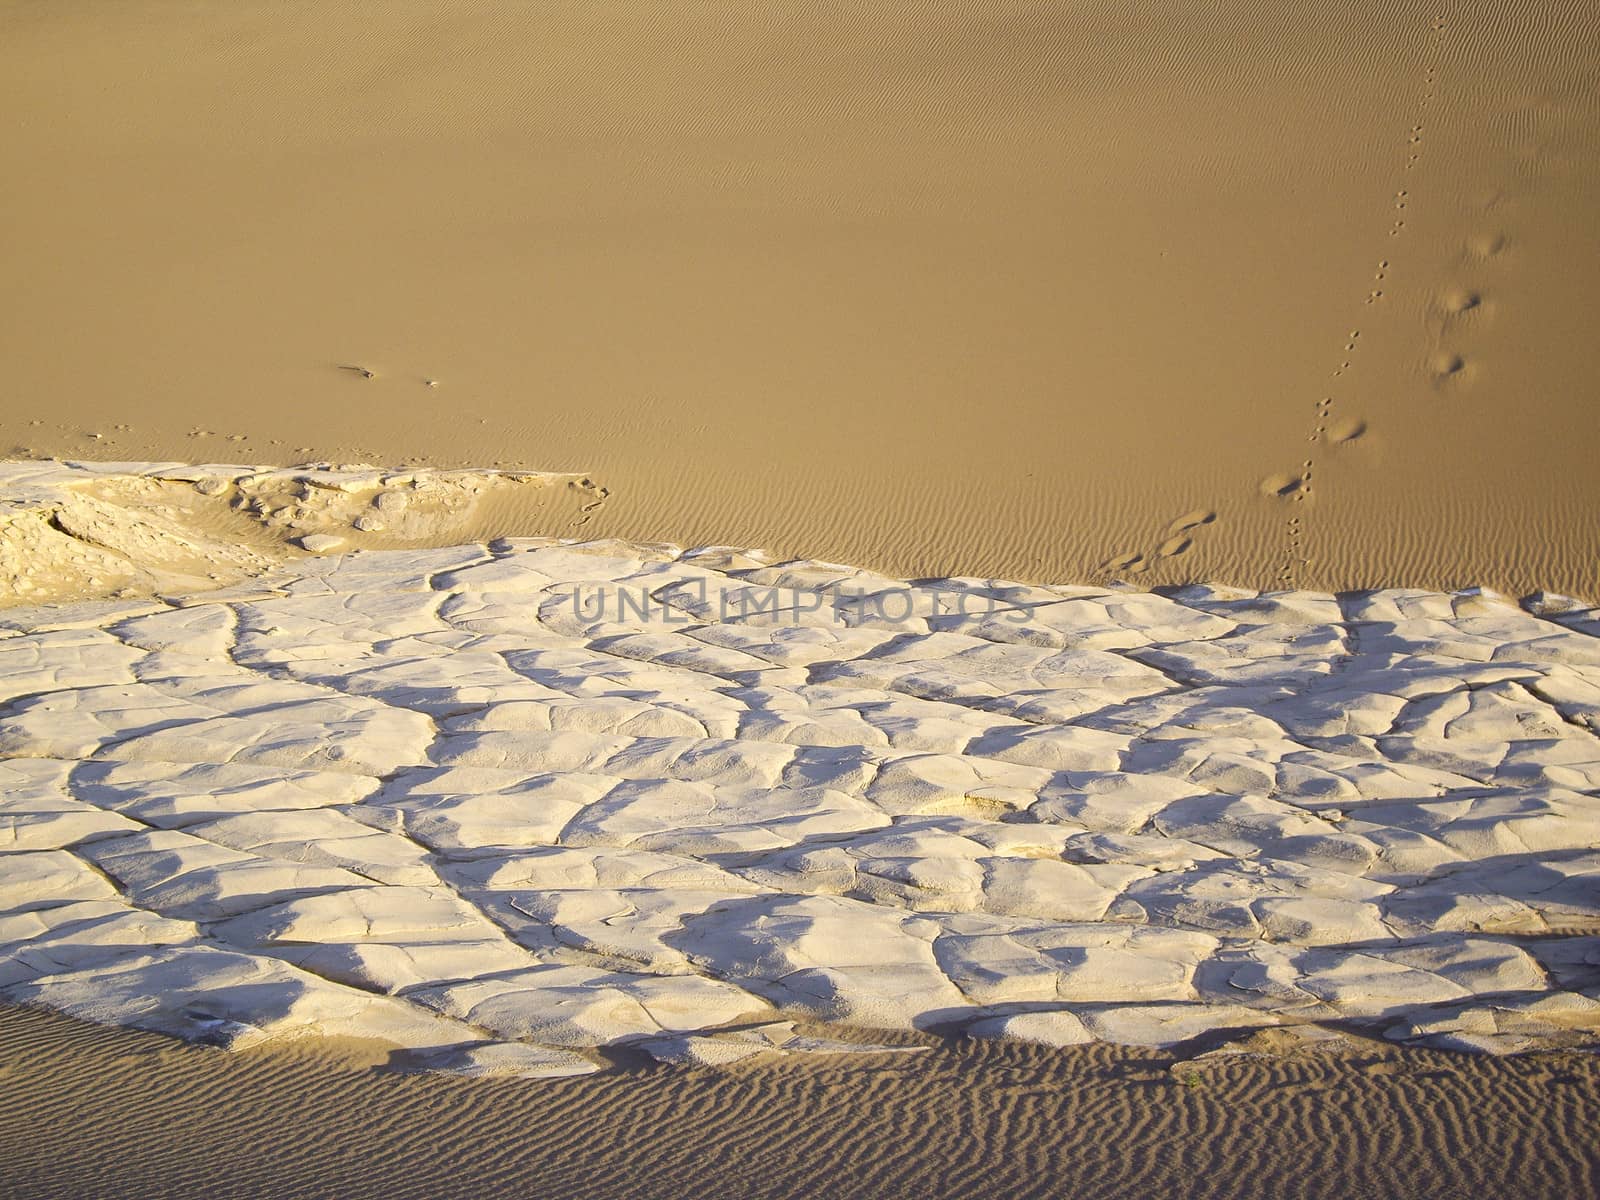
{"points": [[587, 511], [1459, 308], [1129, 564], [1192, 520], [1485, 245], [1174, 546], [1459, 300], [1399, 207], [1177, 539], [1344, 430], [1283, 486], [1378, 276]]}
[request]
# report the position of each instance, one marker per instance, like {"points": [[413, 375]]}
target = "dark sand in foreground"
{"points": [[86, 1111]]}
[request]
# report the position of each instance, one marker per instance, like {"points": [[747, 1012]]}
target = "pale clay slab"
{"points": [[425, 796]]}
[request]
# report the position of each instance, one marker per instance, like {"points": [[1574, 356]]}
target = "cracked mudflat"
{"points": [[512, 806]]}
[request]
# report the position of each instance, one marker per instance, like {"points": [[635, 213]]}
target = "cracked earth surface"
{"points": [[472, 801]]}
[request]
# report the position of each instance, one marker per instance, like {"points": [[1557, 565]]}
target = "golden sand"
{"points": [[1257, 294]]}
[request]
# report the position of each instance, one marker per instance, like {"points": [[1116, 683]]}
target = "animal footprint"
{"points": [[1191, 520], [1177, 539], [1485, 245], [1283, 486], [1348, 429], [1174, 546], [1130, 564]]}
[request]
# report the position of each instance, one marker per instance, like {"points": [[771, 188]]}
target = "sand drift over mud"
{"points": [[85, 529]]}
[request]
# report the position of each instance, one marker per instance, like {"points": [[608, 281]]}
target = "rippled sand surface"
{"points": [[90, 1111], [994, 287]]}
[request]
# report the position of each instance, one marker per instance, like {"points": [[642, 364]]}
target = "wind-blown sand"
{"points": [[101, 1112], [1001, 287]]}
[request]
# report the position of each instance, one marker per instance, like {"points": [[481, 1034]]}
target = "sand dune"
{"points": [[998, 287]]}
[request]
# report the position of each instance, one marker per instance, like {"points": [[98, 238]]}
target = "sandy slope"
{"points": [[968, 1119], [1001, 287]]}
